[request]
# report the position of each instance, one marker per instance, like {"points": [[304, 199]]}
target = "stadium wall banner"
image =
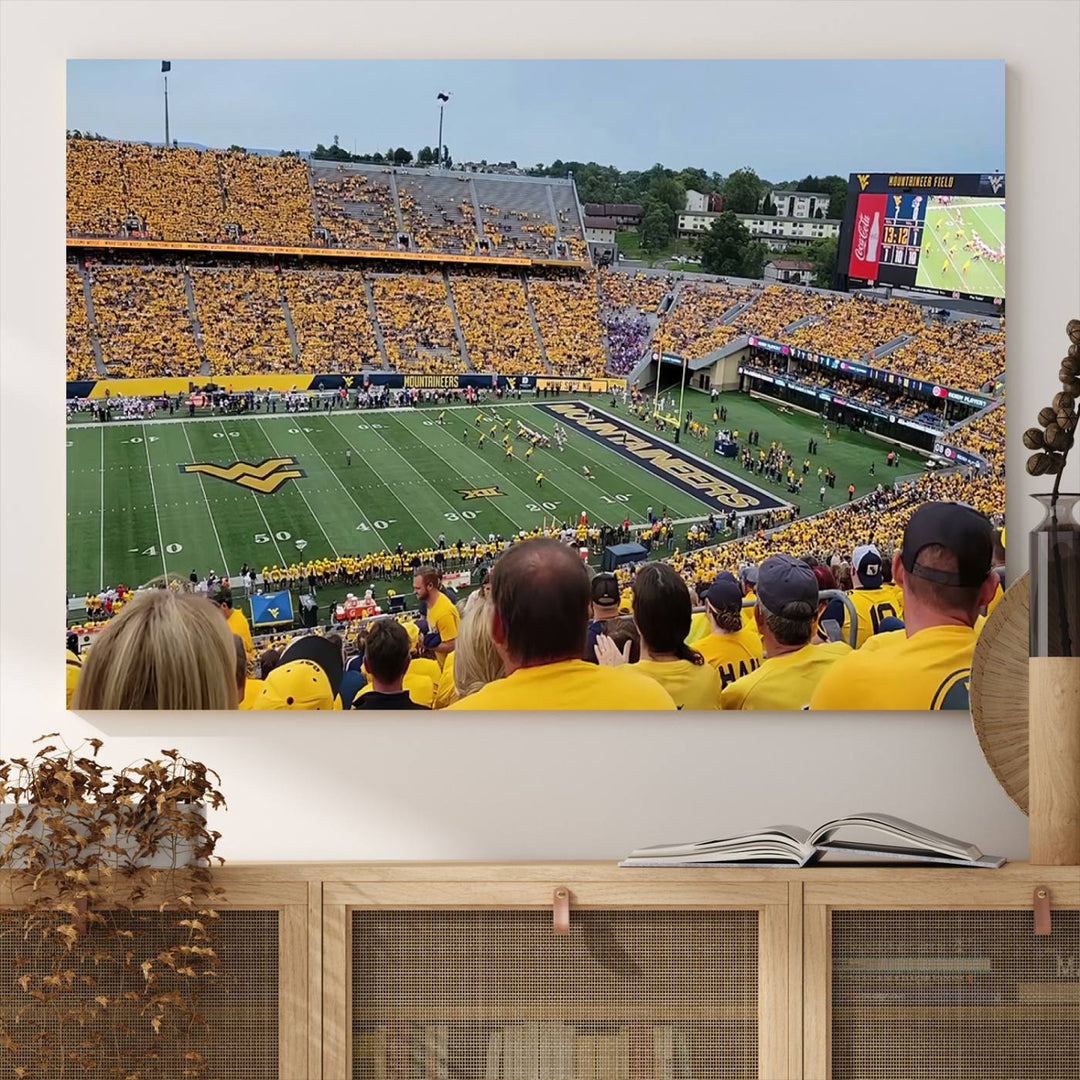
{"points": [[961, 457], [690, 474], [103, 388], [850, 367], [333, 253]]}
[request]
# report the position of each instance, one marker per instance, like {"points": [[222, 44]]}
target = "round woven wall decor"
{"points": [[999, 692]]}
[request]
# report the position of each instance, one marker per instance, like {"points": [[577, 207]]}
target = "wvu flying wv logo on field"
{"points": [[480, 493], [265, 477]]}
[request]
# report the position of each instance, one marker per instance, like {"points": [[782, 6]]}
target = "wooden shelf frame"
{"points": [[794, 907]]}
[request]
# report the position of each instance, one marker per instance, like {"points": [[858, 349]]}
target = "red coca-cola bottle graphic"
{"points": [[873, 240]]}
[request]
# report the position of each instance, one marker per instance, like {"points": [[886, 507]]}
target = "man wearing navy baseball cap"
{"points": [[786, 613], [730, 647], [944, 571]]}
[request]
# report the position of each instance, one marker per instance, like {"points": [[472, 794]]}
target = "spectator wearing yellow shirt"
{"points": [[540, 593], [944, 570], [235, 619], [662, 614], [786, 612], [442, 616], [873, 600], [733, 649]]}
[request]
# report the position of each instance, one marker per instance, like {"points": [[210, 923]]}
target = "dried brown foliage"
{"points": [[107, 915]]}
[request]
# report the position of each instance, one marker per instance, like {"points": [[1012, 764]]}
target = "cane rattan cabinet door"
{"points": [[493, 993], [945, 992], [126, 995]]}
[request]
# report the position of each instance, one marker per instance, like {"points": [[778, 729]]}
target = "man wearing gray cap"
{"points": [[786, 612]]}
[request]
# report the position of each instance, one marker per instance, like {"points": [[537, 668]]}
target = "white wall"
{"points": [[516, 787]]}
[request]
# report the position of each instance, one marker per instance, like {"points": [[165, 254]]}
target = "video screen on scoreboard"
{"points": [[947, 243], [963, 246]]}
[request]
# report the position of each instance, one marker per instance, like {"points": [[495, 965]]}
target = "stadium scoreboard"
{"points": [[941, 233]]}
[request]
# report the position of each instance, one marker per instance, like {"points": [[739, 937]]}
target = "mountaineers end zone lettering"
{"points": [[692, 475]]}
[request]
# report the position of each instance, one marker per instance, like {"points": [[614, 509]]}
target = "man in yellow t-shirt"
{"points": [[442, 616], [540, 592], [943, 568], [733, 649], [786, 613], [235, 620], [874, 600]]}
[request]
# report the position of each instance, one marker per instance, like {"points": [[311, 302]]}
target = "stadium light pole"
{"points": [[166, 67], [442, 98]]}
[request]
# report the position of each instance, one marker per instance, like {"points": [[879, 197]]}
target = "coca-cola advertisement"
{"points": [[866, 239]]}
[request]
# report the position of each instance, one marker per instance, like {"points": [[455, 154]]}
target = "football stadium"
{"points": [[380, 406]]}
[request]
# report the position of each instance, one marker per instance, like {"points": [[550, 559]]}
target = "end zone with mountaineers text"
{"points": [[689, 473]]}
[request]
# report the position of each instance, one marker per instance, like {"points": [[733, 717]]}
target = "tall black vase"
{"points": [[1054, 578]]}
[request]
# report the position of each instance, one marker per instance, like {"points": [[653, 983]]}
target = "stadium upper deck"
{"points": [[133, 190]]}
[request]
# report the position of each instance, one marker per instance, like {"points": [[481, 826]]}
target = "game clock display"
{"points": [[943, 234]]}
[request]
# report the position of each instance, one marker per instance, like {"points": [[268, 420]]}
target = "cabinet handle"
{"points": [[560, 911], [1040, 903]]}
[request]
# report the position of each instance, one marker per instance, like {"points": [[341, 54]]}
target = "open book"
{"points": [[859, 838]]}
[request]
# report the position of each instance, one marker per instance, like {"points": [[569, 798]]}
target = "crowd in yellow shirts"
{"points": [[143, 323], [267, 197], [242, 321], [639, 291], [417, 326], [435, 223], [856, 325], [356, 209], [776, 307], [496, 324], [168, 194], [568, 314], [80, 353], [693, 328], [331, 320], [962, 354]]}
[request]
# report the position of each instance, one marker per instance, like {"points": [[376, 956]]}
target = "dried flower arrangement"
{"points": [[107, 928], [1054, 550], [1053, 440]]}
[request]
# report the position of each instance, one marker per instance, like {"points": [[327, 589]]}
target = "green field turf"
{"points": [[133, 515], [941, 267]]}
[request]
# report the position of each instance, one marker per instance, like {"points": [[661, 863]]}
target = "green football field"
{"points": [[943, 257], [133, 514]]}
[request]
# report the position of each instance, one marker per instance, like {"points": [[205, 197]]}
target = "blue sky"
{"points": [[784, 118]]}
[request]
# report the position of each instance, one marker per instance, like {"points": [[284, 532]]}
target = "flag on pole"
{"points": [[166, 65], [440, 96]]}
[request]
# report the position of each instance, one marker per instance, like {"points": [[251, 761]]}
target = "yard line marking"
{"points": [[213, 524], [337, 553], [421, 477], [424, 531], [528, 498], [585, 505], [102, 508], [153, 494], [258, 505]]}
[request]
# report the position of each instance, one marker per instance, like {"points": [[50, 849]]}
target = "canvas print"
{"points": [[536, 385]]}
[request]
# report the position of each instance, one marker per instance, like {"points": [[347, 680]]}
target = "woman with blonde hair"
{"points": [[476, 660], [165, 650]]}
